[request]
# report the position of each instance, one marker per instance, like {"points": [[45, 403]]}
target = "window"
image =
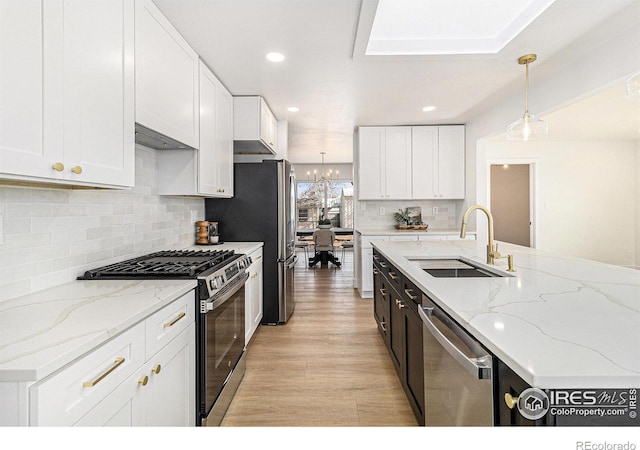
{"points": [[333, 199]]}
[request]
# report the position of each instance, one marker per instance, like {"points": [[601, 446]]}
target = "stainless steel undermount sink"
{"points": [[454, 268]]}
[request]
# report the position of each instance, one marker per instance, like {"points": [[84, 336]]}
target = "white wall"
{"points": [[54, 235], [598, 62], [585, 196]]}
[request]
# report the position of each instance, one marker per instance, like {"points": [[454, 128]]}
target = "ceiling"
{"points": [[337, 87]]}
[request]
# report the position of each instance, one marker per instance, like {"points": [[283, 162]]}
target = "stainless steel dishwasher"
{"points": [[458, 372]]}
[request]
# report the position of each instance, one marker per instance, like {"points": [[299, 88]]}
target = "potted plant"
{"points": [[324, 223], [402, 216]]}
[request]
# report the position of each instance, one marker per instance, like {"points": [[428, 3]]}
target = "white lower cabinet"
{"points": [[158, 394], [403, 238], [253, 296], [364, 264], [145, 376]]}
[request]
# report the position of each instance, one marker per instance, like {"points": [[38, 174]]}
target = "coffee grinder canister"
{"points": [[202, 233]]}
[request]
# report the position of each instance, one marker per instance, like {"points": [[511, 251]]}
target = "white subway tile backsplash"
{"points": [[54, 235], [446, 219]]}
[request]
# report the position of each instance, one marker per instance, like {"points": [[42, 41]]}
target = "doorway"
{"points": [[510, 198]]}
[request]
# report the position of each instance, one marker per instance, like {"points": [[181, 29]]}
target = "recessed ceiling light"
{"points": [[275, 57], [429, 108], [293, 109]]}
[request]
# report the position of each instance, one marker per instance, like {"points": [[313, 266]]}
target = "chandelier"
{"points": [[324, 176]]}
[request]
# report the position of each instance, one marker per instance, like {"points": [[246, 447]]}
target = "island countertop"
{"points": [[558, 322]]}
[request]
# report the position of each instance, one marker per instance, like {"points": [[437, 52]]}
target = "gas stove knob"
{"points": [[216, 282]]}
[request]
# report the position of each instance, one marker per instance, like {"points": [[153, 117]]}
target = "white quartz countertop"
{"points": [[43, 331], [393, 231], [559, 322]]}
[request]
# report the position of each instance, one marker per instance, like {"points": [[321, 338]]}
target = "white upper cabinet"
{"points": [[438, 162], [67, 92], [403, 163], [167, 99], [384, 163], [207, 171], [255, 128]]}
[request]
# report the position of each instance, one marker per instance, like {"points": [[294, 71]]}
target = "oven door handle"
{"points": [[210, 305]]}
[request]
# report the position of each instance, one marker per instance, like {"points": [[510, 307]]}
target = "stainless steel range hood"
{"points": [[157, 141]]}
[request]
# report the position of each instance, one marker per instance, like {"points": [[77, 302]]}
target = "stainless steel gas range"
{"points": [[220, 321]]}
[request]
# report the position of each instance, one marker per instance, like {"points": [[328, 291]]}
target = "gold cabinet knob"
{"points": [[144, 380], [77, 170], [58, 167], [157, 369], [510, 400]]}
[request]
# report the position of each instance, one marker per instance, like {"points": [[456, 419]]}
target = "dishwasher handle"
{"points": [[479, 366]]}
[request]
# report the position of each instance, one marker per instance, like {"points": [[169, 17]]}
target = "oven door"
{"points": [[220, 340]]}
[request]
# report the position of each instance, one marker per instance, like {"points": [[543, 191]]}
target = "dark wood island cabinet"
{"points": [[401, 328]]}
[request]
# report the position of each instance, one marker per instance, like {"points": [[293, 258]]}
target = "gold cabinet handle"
{"points": [[383, 325], [393, 275], [399, 304], [383, 264], [77, 170], [376, 257], [58, 167], [510, 400], [382, 291], [144, 380], [375, 271], [409, 294], [174, 321], [118, 362], [156, 369]]}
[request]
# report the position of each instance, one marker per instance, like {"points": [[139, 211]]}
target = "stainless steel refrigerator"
{"points": [[263, 208]]}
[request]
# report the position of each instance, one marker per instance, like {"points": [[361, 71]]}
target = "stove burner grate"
{"points": [[163, 264]]}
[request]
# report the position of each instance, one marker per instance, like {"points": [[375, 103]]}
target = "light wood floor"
{"points": [[327, 366]]}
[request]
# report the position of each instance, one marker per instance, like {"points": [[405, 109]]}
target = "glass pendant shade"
{"points": [[527, 127], [632, 87]]}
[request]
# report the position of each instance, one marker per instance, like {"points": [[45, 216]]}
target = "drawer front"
{"points": [[167, 323], [392, 274], [63, 398], [410, 294]]}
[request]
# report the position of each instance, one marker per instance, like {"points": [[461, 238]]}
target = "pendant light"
{"points": [[528, 126]]}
